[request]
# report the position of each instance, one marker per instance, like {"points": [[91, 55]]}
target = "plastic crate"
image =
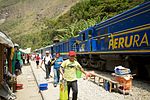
{"points": [[43, 86], [19, 86]]}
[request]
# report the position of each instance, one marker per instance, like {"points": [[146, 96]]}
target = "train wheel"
{"points": [[93, 64], [84, 62], [100, 65]]}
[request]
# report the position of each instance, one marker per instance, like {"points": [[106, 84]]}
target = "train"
{"points": [[121, 40]]}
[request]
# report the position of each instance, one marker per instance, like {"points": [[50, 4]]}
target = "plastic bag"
{"points": [[63, 90], [78, 74], [122, 70]]}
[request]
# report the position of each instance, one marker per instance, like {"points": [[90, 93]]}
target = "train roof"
{"points": [[86, 29], [4, 39], [49, 46]]}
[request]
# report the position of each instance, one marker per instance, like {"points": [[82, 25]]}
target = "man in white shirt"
{"points": [[47, 61]]}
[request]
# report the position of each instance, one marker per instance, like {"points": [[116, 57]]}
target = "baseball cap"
{"points": [[72, 53]]}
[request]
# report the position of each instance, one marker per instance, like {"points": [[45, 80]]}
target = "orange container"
{"points": [[126, 84]]}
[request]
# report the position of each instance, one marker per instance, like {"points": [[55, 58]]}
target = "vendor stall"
{"points": [[6, 48], [6, 55]]}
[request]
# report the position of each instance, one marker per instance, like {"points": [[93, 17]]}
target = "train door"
{"points": [[82, 43], [52, 51], [93, 41]]}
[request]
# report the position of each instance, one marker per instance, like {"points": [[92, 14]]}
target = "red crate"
{"points": [[19, 86]]}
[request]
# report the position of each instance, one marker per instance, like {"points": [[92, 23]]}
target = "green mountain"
{"points": [[34, 23], [22, 18]]}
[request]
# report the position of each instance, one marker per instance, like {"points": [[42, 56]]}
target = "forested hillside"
{"points": [[84, 14], [21, 19]]}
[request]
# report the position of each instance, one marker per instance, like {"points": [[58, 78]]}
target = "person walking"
{"points": [[37, 60], [70, 67], [47, 62], [57, 62], [28, 58], [23, 58]]}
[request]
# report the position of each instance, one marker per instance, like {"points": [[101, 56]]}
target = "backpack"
{"points": [[49, 62]]}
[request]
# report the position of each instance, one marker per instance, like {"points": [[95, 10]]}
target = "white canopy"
{"points": [[4, 39], [27, 51]]}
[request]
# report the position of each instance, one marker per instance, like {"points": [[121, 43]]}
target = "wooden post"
{"points": [[9, 61], [1, 62]]}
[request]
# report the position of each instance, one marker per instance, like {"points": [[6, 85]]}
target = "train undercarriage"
{"points": [[138, 64]]}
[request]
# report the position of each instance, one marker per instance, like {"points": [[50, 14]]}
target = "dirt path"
{"points": [[30, 90]]}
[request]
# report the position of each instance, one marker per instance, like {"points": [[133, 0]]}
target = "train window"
{"points": [[98, 37], [83, 36], [105, 31], [41, 51], [106, 39], [90, 34]]}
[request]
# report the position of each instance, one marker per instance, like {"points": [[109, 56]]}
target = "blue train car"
{"points": [[62, 48], [121, 40], [127, 32], [42, 51]]}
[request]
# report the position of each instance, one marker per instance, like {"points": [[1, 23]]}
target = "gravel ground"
{"points": [[89, 90]]}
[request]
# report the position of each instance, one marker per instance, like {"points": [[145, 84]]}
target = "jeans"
{"points": [[56, 76], [74, 86], [48, 70]]}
